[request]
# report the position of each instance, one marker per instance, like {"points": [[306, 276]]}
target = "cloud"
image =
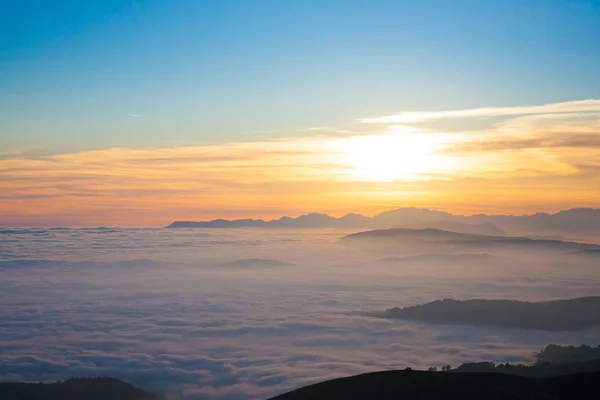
{"points": [[136, 115], [173, 324], [183, 174], [585, 141], [551, 142], [590, 105], [335, 172]]}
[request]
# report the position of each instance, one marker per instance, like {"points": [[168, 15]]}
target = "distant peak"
{"points": [[571, 222]]}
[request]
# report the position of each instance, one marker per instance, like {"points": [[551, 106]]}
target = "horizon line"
{"points": [[96, 226]]}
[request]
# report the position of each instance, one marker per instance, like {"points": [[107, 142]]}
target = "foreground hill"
{"points": [[421, 385], [74, 389], [556, 315]]}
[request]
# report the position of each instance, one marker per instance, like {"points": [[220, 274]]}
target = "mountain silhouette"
{"points": [[434, 240], [74, 389], [576, 221], [421, 385], [556, 315]]}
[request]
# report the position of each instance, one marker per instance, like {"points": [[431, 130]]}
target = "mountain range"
{"points": [[576, 221]]}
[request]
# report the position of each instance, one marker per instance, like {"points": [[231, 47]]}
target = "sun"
{"points": [[396, 155]]}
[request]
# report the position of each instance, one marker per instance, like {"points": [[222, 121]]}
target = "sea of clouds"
{"points": [[165, 310]]}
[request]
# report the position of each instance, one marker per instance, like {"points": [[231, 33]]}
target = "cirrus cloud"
{"points": [[589, 105]]}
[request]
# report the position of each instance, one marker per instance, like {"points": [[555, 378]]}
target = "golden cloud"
{"points": [[524, 161]]}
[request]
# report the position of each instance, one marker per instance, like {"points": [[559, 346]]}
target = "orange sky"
{"points": [[525, 159]]}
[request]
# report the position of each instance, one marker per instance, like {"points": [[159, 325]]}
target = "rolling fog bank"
{"points": [[251, 313]]}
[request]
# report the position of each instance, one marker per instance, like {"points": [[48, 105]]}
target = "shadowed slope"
{"points": [[74, 389], [557, 315], [409, 385]]}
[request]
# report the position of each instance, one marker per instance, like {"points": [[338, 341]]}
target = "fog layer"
{"points": [[247, 314]]}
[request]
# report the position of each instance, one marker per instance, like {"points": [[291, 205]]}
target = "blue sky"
{"points": [[235, 70]]}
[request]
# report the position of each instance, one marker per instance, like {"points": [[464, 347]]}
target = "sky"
{"points": [[143, 112]]}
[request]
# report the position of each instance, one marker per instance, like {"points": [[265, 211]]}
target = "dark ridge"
{"points": [[74, 389], [556, 354], [426, 233], [462, 240], [556, 315], [421, 385], [540, 370]]}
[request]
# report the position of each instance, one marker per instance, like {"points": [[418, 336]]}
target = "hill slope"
{"points": [[409, 385], [556, 315], [74, 389], [441, 239]]}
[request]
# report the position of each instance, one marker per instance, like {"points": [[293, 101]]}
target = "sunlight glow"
{"points": [[401, 154]]}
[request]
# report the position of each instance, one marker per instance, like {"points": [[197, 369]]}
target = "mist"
{"points": [[251, 313]]}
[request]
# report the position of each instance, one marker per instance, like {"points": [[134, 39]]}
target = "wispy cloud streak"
{"points": [[590, 105]]}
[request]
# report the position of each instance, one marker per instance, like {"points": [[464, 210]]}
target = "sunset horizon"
{"points": [[527, 159], [241, 115], [299, 199]]}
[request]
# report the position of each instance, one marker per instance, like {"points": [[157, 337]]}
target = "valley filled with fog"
{"points": [[250, 313]]}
